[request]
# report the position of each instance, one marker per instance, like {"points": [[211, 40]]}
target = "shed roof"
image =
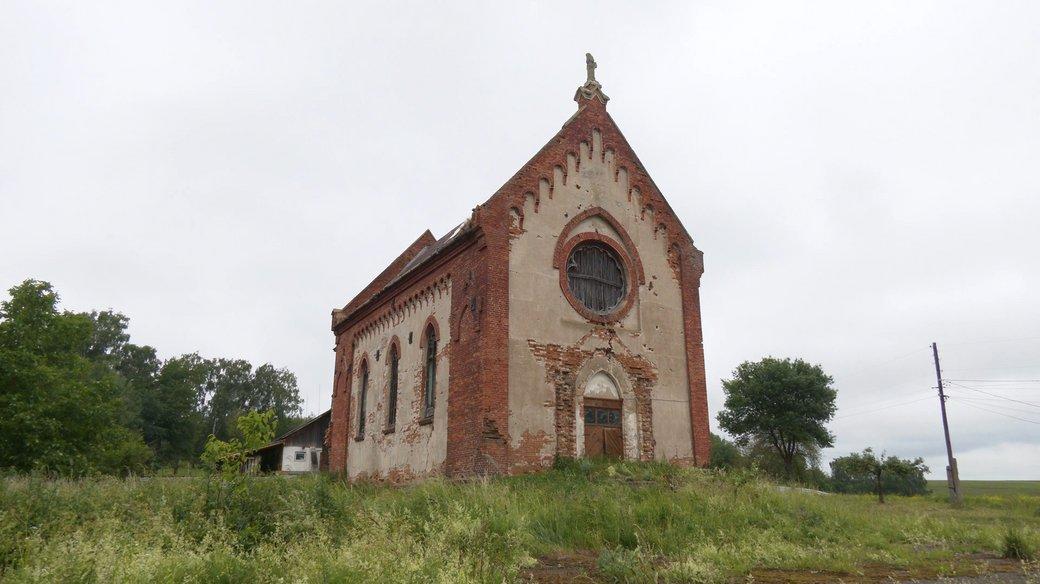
{"points": [[280, 440]]}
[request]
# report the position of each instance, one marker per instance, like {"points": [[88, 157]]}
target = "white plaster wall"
{"points": [[413, 449], [290, 464], [538, 310]]}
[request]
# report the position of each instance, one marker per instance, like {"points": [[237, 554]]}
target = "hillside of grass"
{"points": [[626, 522], [982, 488]]}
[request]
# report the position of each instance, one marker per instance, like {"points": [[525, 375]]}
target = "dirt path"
{"points": [[999, 578], [580, 567]]}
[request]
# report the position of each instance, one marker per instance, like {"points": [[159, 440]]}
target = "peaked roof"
{"points": [[392, 272], [315, 419], [280, 440], [418, 253], [591, 114], [429, 251]]}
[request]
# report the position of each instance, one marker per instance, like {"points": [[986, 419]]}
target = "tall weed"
{"points": [[645, 521]]}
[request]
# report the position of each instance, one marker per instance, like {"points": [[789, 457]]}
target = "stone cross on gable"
{"points": [[592, 88]]}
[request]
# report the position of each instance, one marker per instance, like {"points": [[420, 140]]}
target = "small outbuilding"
{"points": [[300, 450]]}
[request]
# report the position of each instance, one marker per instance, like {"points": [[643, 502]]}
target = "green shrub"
{"points": [[1016, 546]]}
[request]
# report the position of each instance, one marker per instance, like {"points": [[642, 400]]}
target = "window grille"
{"points": [[602, 416], [596, 277]]}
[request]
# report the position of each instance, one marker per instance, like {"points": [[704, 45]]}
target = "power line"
{"points": [[1000, 414], [1000, 405], [997, 380], [1034, 366], [996, 395], [883, 401], [992, 341], [1006, 388], [885, 408], [905, 355], [981, 399], [876, 364]]}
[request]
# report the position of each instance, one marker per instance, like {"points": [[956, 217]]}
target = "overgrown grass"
{"points": [[643, 521]]}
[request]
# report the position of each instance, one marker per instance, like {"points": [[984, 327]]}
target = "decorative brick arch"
{"points": [[364, 361], [364, 366], [630, 251], [638, 440], [431, 322], [395, 342], [392, 348], [631, 278]]}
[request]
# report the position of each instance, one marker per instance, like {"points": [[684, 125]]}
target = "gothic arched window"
{"points": [[430, 387], [596, 276], [362, 398], [391, 400]]}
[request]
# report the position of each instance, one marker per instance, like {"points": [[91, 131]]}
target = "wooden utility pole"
{"points": [[953, 481]]}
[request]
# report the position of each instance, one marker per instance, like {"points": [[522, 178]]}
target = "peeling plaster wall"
{"points": [[413, 449], [544, 326]]}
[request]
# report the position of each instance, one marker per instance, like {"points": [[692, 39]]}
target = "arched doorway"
{"points": [[602, 407]]}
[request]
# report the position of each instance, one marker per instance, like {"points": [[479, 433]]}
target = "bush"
{"points": [[868, 472], [625, 565], [724, 454], [1016, 547]]}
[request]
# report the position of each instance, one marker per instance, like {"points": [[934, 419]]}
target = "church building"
{"points": [[561, 319]]}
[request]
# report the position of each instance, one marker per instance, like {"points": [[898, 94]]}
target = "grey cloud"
{"points": [[861, 176]]}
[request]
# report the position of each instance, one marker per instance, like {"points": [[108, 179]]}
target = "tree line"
{"points": [[77, 396], [777, 410]]}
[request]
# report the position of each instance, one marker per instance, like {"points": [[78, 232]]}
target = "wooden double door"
{"points": [[603, 428]]}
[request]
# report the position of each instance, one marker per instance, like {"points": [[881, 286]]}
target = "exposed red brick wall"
{"points": [[691, 281], [562, 365], [339, 427], [478, 420]]}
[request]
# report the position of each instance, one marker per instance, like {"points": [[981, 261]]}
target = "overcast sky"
{"points": [[863, 177]]}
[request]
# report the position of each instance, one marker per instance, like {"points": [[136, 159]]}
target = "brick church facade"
{"points": [[562, 318]]}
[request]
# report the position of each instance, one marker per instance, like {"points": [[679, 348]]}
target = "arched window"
{"points": [[391, 399], [430, 389], [362, 398], [596, 277]]}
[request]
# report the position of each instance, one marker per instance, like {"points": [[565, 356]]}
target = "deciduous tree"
{"points": [[781, 403], [866, 471], [61, 410]]}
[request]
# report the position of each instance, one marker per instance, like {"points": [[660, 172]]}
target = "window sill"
{"points": [[428, 420], [359, 438], [389, 430]]}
